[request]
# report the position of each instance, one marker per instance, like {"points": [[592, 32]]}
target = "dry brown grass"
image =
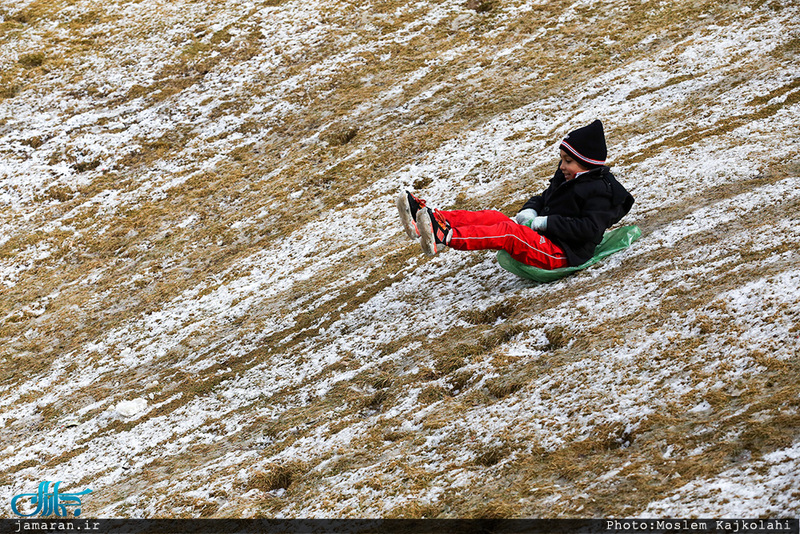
{"points": [[142, 239]]}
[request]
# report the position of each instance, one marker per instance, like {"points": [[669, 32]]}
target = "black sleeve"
{"points": [[535, 203], [593, 221]]}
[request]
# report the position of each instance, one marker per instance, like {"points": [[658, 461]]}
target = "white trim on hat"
{"points": [[581, 156]]}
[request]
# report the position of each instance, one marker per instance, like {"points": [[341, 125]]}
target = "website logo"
{"points": [[48, 502]]}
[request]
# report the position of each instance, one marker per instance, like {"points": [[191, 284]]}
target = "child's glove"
{"points": [[539, 224], [526, 216]]}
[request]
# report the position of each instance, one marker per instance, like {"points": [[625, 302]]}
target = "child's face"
{"points": [[570, 166]]}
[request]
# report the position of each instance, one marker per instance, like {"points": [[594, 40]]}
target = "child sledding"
{"points": [[557, 229]]}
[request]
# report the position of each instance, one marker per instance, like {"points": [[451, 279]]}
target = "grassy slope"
{"points": [[194, 199]]}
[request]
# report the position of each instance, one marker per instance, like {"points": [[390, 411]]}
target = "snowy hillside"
{"points": [[209, 309]]}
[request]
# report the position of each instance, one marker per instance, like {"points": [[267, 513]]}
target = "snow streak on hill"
{"points": [[208, 307]]}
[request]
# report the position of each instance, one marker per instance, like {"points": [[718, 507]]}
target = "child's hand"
{"points": [[539, 224], [526, 216]]}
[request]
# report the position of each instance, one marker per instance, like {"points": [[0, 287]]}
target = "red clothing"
{"points": [[490, 229]]}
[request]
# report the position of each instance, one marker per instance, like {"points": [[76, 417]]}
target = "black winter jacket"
{"points": [[580, 210]]}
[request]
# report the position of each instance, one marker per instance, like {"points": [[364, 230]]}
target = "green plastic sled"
{"points": [[613, 241]]}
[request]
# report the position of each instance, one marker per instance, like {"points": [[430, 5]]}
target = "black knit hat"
{"points": [[587, 145]]}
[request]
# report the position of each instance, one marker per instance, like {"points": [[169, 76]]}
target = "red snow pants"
{"points": [[491, 229]]}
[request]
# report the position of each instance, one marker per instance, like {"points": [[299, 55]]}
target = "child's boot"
{"points": [[408, 206], [434, 230]]}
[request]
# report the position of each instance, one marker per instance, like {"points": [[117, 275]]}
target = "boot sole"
{"points": [[404, 210], [426, 239]]}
